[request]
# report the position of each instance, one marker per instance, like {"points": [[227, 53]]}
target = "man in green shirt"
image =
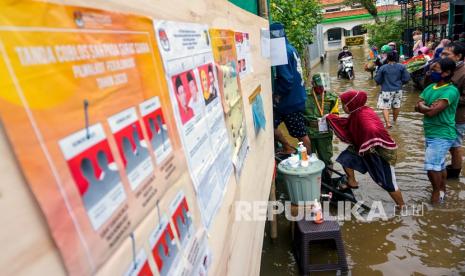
{"points": [[319, 104], [438, 104]]}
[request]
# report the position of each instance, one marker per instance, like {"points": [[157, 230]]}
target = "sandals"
{"points": [[344, 184]]}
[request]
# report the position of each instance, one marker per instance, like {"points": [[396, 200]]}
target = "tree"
{"points": [[299, 18], [382, 33], [369, 5]]}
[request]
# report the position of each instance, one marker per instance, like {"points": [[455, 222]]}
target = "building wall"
{"points": [[347, 26], [317, 48], [351, 16]]}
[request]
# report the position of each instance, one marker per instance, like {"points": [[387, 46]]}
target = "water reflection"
{"points": [[433, 244]]}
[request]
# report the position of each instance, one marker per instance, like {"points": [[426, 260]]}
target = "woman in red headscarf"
{"points": [[371, 147]]}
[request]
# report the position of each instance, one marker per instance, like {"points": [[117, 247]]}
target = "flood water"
{"points": [[428, 244]]}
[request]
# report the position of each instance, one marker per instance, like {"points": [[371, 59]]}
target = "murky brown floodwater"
{"points": [[432, 244]]}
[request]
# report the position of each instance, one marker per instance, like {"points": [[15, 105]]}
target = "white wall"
{"points": [[348, 25], [317, 48]]}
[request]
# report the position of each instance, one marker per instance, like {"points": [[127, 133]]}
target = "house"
{"points": [[342, 21]]}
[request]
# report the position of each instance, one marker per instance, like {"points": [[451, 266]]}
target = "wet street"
{"points": [[428, 244]]}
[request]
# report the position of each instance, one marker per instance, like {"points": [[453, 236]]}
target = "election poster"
{"points": [[244, 54], [224, 51], [94, 172], [84, 101], [194, 89], [198, 254], [177, 246], [197, 257], [157, 129], [182, 218], [132, 147], [164, 248], [139, 266]]}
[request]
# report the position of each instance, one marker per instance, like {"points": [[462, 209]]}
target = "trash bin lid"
{"points": [[313, 167]]}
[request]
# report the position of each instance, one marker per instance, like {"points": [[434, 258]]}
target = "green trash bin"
{"points": [[303, 183]]}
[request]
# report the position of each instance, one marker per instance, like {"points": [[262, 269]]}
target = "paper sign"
{"points": [[95, 175], [164, 249], [259, 119], [265, 43], [72, 81], [157, 129], [132, 147], [182, 218], [278, 51], [140, 266], [197, 256], [195, 94], [223, 42], [244, 54]]}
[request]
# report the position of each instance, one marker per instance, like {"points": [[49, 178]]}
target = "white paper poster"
{"points": [[132, 147], [164, 248], [265, 42], [192, 78], [278, 51], [244, 54], [197, 256], [181, 217], [224, 52], [157, 131], [102, 192], [139, 266]]}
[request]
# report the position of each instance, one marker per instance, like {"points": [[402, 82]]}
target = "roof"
{"points": [[331, 2], [353, 12], [444, 9], [365, 16]]}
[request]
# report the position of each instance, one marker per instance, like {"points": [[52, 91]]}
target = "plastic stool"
{"points": [[306, 231]]}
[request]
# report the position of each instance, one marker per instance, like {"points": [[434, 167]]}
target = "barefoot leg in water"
{"points": [[397, 197], [436, 179], [351, 181], [386, 118], [395, 112]]}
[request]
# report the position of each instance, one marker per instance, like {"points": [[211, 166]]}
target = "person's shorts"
{"points": [[323, 147], [390, 99], [460, 135], [295, 123], [435, 153], [379, 169]]}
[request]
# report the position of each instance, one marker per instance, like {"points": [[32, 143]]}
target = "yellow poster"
{"points": [[224, 52], [355, 40], [84, 101]]}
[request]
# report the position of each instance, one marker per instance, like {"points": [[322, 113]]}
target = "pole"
{"points": [[450, 21], [274, 222], [263, 8], [423, 20]]}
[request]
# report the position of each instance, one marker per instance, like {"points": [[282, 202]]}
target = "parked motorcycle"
{"points": [[347, 71]]}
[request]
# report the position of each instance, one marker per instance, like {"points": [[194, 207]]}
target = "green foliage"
{"points": [[369, 5], [299, 18], [382, 33]]}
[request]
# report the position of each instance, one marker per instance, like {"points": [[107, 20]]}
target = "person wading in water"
{"points": [[371, 147]]}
